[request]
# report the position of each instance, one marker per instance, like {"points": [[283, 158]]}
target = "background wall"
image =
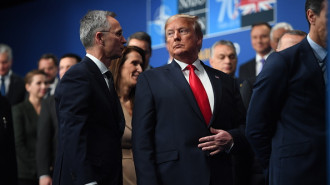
{"points": [[37, 27]]}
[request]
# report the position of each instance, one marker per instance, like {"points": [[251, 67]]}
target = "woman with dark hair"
{"points": [[126, 70], [25, 119]]}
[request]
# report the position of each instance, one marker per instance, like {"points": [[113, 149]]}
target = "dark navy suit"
{"points": [[167, 124], [91, 124], [286, 117], [248, 69]]}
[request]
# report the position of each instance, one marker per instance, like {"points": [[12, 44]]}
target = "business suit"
{"points": [[8, 165], [248, 69], [286, 118], [246, 90], [91, 124], [47, 137], [167, 125], [25, 120], [16, 92]]}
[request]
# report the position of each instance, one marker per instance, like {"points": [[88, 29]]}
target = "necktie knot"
{"points": [[191, 67], [108, 74], [262, 60]]}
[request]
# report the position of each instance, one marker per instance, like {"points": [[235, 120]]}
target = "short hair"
{"points": [[223, 42], [189, 18], [28, 77], [141, 36], [49, 56], [117, 64], [284, 25], [4, 48], [296, 32], [260, 24], [315, 5], [92, 22], [72, 55]]}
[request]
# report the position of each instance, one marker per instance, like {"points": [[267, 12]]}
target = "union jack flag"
{"points": [[254, 6]]}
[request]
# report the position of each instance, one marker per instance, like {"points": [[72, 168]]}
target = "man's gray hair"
{"points": [[286, 26], [4, 48], [92, 22], [223, 42]]}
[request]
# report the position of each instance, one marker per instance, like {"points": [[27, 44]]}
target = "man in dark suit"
{"points": [[177, 137], [48, 127], [8, 164], [12, 86], [48, 63], [286, 118], [91, 121], [260, 40]]}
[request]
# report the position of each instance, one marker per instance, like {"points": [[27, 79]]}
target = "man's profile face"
{"points": [[5, 64], [321, 22], [113, 40]]}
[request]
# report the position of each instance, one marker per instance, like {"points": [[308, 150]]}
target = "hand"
{"points": [[46, 180], [217, 142]]}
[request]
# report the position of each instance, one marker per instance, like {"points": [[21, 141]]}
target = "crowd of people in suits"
{"points": [[112, 119]]}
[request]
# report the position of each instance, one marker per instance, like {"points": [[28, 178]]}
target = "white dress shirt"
{"points": [[202, 75]]}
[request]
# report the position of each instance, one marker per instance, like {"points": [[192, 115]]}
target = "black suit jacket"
{"points": [[8, 165], [167, 124], [47, 137], [286, 119], [248, 69], [91, 124], [16, 92]]}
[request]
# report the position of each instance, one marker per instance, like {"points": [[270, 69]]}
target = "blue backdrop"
{"points": [[38, 27]]}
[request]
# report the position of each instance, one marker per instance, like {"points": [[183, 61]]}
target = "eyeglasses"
{"points": [[118, 34]]}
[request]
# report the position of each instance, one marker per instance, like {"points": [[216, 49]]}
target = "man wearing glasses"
{"points": [[91, 120]]}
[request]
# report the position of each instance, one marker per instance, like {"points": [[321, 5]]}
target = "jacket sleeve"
{"points": [[264, 110]]}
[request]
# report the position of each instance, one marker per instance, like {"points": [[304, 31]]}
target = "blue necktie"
{"points": [[3, 86], [262, 60]]}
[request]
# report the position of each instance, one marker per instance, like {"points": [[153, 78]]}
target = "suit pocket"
{"points": [[167, 156], [296, 149]]}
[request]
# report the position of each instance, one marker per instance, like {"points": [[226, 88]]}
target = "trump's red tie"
{"points": [[200, 94]]}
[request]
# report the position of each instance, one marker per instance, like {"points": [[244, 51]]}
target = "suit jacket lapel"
{"points": [[99, 77], [216, 85], [180, 81]]}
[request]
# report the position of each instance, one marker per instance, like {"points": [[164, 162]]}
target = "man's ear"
{"points": [[311, 16], [99, 38]]}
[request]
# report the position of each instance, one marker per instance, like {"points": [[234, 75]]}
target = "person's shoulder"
{"points": [[19, 106]]}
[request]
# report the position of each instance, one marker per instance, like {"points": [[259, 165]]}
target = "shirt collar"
{"points": [[183, 65], [318, 50], [258, 57], [99, 64], [7, 75]]}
